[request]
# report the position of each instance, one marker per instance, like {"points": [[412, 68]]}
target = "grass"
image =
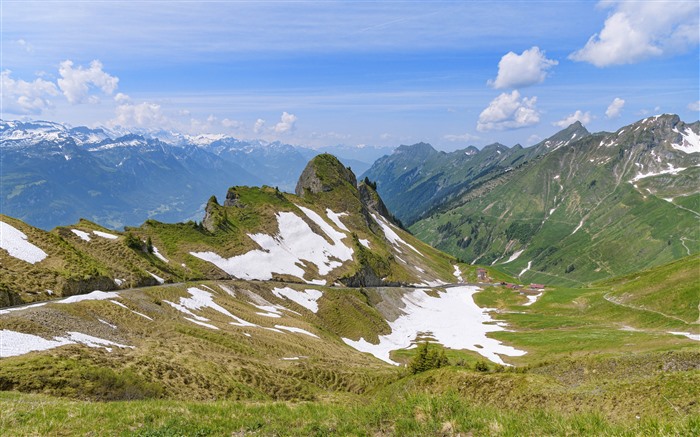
{"points": [[411, 414]]}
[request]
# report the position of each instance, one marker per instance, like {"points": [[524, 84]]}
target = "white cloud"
{"points": [[259, 126], [144, 114], [583, 117], [287, 123], [638, 30], [694, 106], [615, 108], [508, 111], [28, 47], [461, 137], [122, 98], [76, 83], [231, 124], [22, 97], [533, 139], [517, 71]]}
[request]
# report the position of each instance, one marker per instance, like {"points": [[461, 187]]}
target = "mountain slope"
{"points": [[602, 206], [416, 179]]}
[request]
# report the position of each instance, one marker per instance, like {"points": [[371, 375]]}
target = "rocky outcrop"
{"points": [[323, 174], [232, 198]]}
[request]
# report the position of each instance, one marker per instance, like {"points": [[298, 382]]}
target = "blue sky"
{"points": [[352, 72]]}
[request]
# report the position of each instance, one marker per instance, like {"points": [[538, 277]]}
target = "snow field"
{"points": [[453, 319], [307, 298], [81, 234], [295, 244], [13, 343], [17, 245]]}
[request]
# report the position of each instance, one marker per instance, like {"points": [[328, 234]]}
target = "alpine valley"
{"points": [[549, 290]]}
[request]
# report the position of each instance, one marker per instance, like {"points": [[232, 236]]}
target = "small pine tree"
{"points": [[149, 245], [427, 358]]}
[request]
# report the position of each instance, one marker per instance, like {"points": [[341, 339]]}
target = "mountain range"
{"points": [[55, 174], [575, 208]]}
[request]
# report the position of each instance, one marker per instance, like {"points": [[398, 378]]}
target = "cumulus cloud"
{"points": [[122, 98], [460, 137], [615, 108], [508, 111], [694, 106], [259, 126], [638, 30], [76, 82], [22, 97], [583, 117], [287, 123], [517, 71], [144, 114]]}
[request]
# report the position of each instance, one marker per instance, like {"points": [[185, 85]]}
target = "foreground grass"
{"points": [[418, 414]]}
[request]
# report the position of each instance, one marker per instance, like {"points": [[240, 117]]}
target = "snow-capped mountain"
{"points": [[54, 173]]}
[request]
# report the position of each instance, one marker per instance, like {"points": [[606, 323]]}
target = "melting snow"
{"points": [[95, 295], [17, 246], [107, 323], [157, 278], [452, 319], [159, 255], [207, 325], [307, 298], [16, 343], [392, 236], [296, 330], [335, 218], [578, 227], [227, 290], [105, 235], [82, 234], [118, 281], [364, 242], [529, 264], [515, 256], [458, 273], [203, 299], [671, 170], [690, 142], [532, 298], [9, 310], [691, 336], [126, 307], [284, 253]]}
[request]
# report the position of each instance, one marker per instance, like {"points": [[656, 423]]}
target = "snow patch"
{"points": [[95, 295], [206, 325], [107, 323], [159, 255], [24, 307], [106, 235], [458, 273], [127, 308], [390, 235], [671, 170], [335, 218], [690, 142], [17, 245], [691, 336], [307, 298], [452, 319], [118, 281], [578, 227], [156, 277], [364, 242], [296, 330], [82, 234], [532, 298], [284, 253], [14, 343], [203, 299], [529, 264], [514, 256]]}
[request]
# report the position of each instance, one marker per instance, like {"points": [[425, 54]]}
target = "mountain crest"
{"points": [[322, 174]]}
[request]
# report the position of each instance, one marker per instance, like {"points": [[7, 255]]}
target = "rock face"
{"points": [[232, 197], [322, 174]]}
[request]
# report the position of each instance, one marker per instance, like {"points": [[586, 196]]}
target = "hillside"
{"points": [[318, 297], [415, 180], [598, 207]]}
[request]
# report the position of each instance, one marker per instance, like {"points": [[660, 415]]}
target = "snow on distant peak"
{"points": [[17, 245], [690, 141]]}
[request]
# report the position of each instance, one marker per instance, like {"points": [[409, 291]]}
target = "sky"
{"points": [[322, 73]]}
